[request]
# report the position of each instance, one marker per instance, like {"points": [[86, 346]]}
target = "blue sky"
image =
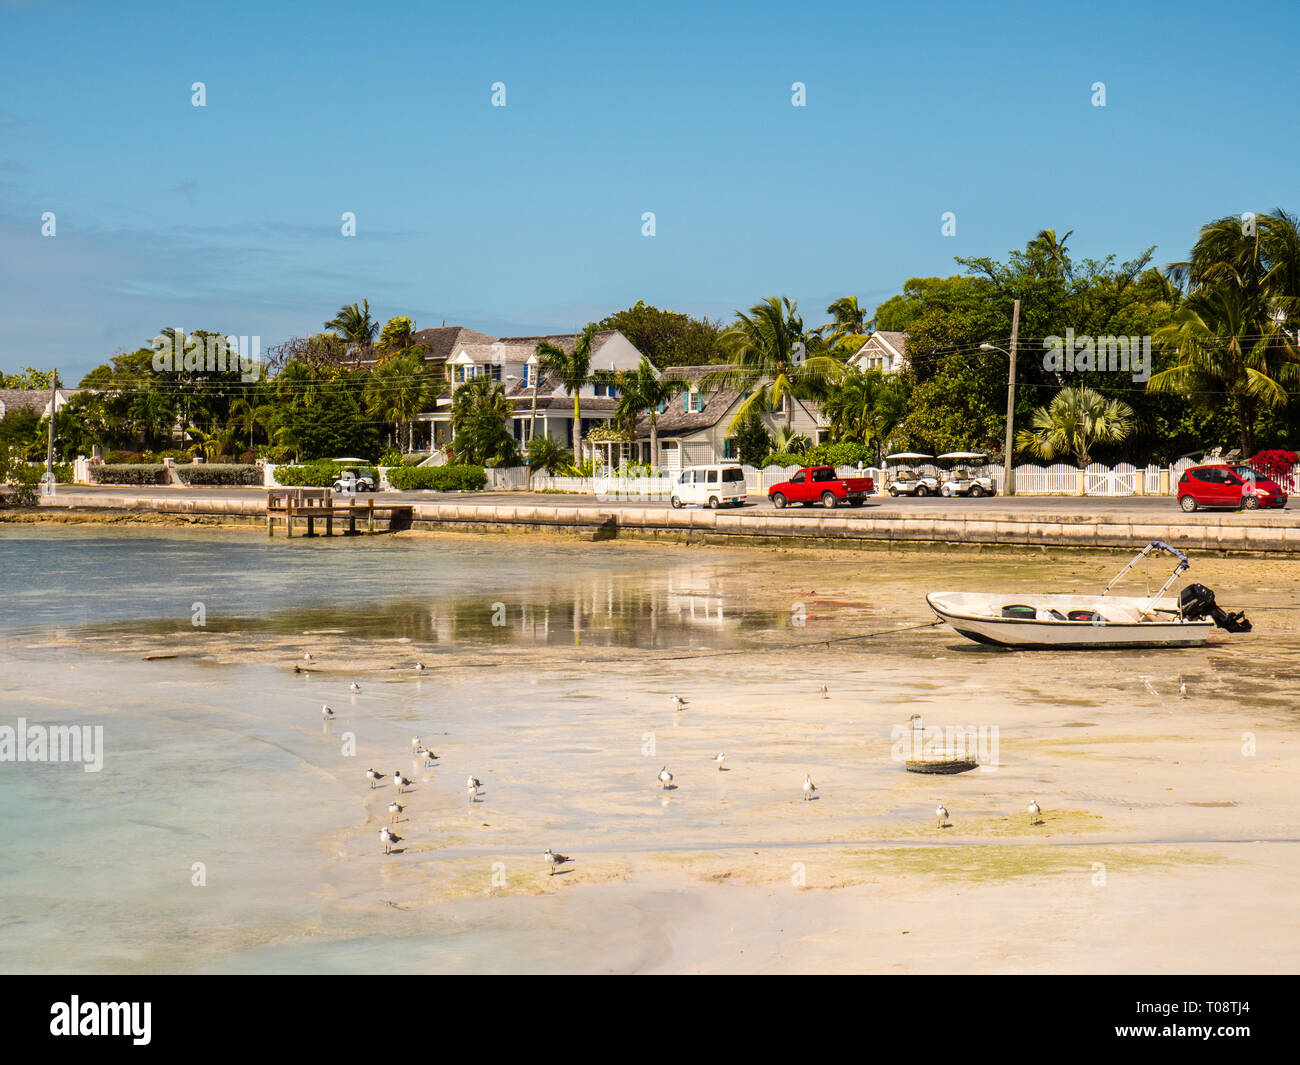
{"points": [[527, 218]]}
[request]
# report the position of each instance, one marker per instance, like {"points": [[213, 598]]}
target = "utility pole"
{"points": [[1008, 478], [49, 451]]}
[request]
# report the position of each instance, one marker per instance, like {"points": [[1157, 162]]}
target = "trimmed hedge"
{"points": [[219, 473], [317, 474], [132, 473], [438, 478]]}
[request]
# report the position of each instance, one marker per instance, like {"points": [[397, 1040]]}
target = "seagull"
{"points": [[472, 785], [554, 859], [355, 686], [375, 778], [941, 812], [389, 839], [306, 656], [1034, 808], [808, 786], [395, 808], [400, 781], [665, 777], [915, 721], [718, 758], [428, 756], [1182, 688], [419, 667], [326, 712], [679, 703], [825, 694], [415, 744]]}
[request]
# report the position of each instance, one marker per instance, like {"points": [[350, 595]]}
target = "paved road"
{"points": [[1157, 508]]}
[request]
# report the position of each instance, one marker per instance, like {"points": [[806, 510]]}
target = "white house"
{"points": [[541, 404], [693, 428], [37, 399], [884, 350]]}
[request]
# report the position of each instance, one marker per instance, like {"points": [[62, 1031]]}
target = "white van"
{"points": [[712, 486]]}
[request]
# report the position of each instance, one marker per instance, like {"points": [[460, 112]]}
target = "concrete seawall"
{"points": [[1255, 533]]}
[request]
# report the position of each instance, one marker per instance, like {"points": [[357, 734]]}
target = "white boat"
{"points": [[1081, 620]]}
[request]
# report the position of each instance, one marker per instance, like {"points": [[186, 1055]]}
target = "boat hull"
{"points": [[1122, 623]]}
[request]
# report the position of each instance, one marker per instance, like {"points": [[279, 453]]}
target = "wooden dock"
{"points": [[310, 505]]}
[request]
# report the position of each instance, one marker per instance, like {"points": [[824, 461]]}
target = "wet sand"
{"points": [[1166, 842]]}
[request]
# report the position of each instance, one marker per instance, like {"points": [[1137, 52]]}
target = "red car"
{"points": [[1227, 486], [821, 484]]}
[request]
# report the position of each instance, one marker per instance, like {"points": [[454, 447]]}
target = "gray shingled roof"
{"points": [[16, 399]]}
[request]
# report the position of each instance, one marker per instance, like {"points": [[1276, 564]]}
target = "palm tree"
{"points": [[355, 325], [247, 417], [788, 442], [867, 407], [847, 320], [773, 360], [1225, 350], [1075, 421], [545, 453], [479, 410], [398, 389], [642, 391], [397, 334], [573, 368], [1053, 253]]}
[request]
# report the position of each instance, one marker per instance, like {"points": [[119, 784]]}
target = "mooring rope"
{"points": [[808, 643]]}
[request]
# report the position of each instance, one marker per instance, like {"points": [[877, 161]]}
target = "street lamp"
{"points": [[1008, 478]]}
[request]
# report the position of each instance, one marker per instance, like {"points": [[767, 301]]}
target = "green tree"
{"points": [[355, 325], [774, 360], [546, 453], [753, 441], [667, 338], [1074, 422], [479, 410], [572, 368], [641, 391], [867, 407], [398, 389]]}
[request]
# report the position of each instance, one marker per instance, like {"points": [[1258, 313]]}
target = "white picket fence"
{"points": [[1062, 478]]}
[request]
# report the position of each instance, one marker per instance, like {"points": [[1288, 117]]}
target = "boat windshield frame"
{"points": [[1155, 545]]}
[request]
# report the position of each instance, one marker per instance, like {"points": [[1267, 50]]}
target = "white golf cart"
{"points": [[959, 481], [905, 479]]}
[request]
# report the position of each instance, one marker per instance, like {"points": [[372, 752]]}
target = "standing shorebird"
{"points": [[679, 703], [471, 787], [915, 721], [395, 808], [1182, 688], [415, 743], [419, 667], [941, 812], [554, 860], [426, 755], [665, 777], [809, 788], [306, 656], [375, 778], [326, 712], [1034, 810], [825, 692], [389, 839], [400, 781], [718, 759], [354, 687]]}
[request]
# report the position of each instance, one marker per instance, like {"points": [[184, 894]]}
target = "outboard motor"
{"points": [[1197, 601]]}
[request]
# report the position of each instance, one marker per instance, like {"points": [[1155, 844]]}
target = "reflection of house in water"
{"points": [[693, 597], [620, 610]]}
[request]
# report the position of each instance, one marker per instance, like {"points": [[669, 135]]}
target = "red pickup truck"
{"points": [[821, 484]]}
